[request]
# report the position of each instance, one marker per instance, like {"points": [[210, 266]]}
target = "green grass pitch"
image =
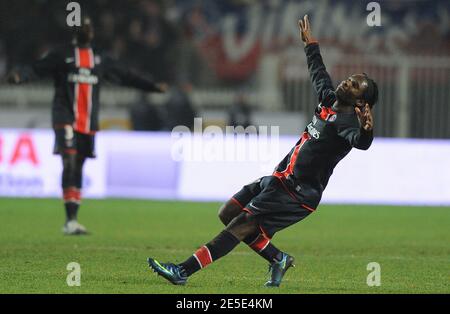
{"points": [[332, 246]]}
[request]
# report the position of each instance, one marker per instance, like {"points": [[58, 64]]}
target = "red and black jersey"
{"points": [[78, 73], [327, 139]]}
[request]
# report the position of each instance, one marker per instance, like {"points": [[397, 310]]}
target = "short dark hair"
{"points": [[371, 94]]}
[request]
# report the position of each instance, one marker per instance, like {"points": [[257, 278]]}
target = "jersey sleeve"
{"points": [[320, 78], [46, 66], [356, 136], [118, 74]]}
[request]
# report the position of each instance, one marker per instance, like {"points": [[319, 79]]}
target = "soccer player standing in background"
{"points": [[78, 70], [342, 120]]}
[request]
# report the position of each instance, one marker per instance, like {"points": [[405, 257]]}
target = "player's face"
{"points": [[352, 89], [85, 34]]}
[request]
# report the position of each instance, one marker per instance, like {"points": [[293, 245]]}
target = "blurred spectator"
{"points": [[172, 38], [239, 113], [137, 31], [152, 39], [196, 26], [145, 116], [107, 29], [2, 60], [118, 48], [179, 107]]}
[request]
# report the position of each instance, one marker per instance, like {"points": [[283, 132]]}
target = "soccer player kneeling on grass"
{"points": [[342, 120]]}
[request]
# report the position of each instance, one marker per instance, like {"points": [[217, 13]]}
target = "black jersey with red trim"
{"points": [[327, 139], [78, 73]]}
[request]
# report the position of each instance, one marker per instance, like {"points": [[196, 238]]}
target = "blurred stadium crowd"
{"points": [[153, 35], [251, 45], [139, 33]]}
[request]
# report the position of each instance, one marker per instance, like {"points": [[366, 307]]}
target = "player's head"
{"points": [[358, 90], [84, 34]]}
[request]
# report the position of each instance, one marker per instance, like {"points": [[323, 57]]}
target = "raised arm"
{"points": [[118, 74], [319, 76], [44, 67]]}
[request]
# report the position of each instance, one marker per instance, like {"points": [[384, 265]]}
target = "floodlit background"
{"points": [[234, 63]]}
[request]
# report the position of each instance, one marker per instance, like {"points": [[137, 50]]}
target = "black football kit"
{"points": [[295, 188], [78, 73]]}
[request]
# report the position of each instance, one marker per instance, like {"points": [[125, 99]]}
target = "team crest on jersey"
{"points": [[326, 113]]}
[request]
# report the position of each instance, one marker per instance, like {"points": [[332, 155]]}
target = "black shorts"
{"points": [[274, 206], [68, 140]]}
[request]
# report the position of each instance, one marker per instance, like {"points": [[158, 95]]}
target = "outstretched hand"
{"points": [[365, 117], [13, 77], [163, 87], [305, 30]]}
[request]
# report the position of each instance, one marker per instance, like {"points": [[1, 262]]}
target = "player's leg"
{"points": [[85, 147], [257, 241], [78, 172], [237, 230], [277, 209], [68, 146], [71, 193], [71, 181], [78, 175], [279, 261]]}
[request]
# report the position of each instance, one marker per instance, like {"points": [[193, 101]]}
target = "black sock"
{"points": [[220, 246], [262, 245], [71, 210], [72, 198]]}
